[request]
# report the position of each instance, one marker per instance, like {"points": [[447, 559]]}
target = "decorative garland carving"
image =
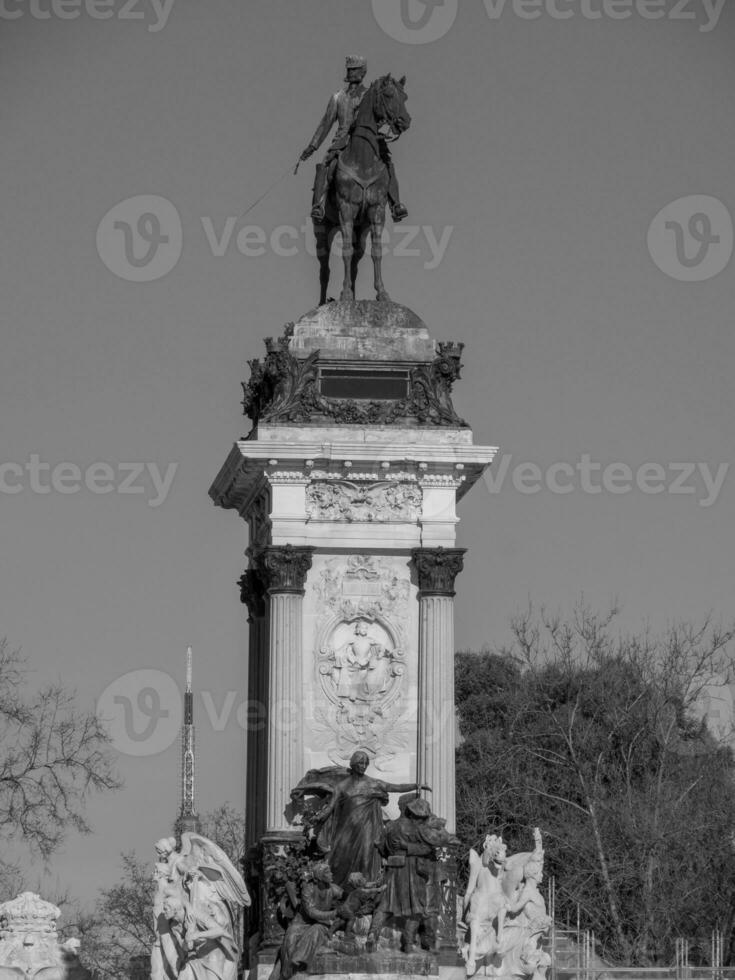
{"points": [[284, 388], [360, 587], [282, 861], [347, 501]]}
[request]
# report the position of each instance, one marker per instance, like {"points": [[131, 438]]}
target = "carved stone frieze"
{"points": [[283, 568], [284, 388], [441, 480], [437, 569], [367, 476], [348, 501]]}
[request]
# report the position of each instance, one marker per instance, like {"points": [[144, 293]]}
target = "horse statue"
{"points": [[359, 190]]}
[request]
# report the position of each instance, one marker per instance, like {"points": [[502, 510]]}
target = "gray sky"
{"points": [[541, 150]]}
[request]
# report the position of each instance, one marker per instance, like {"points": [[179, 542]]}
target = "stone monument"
{"points": [[348, 482], [30, 948]]}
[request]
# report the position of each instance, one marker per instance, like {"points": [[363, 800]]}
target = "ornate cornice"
{"points": [[437, 569], [283, 568], [285, 389], [252, 593]]}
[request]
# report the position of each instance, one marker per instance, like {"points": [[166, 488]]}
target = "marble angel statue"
{"points": [[198, 905], [506, 912], [485, 902]]}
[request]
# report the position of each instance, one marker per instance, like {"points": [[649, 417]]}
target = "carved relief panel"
{"points": [[363, 660], [345, 501]]}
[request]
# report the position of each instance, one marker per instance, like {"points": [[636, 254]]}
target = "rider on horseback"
{"points": [[342, 109]]}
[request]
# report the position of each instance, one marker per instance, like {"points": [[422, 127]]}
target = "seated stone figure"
{"points": [[310, 927]]}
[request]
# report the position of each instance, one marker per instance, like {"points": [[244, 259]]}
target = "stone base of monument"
{"points": [[390, 965]]}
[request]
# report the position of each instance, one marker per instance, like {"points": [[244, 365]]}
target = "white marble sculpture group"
{"points": [[197, 910], [505, 913], [200, 895]]}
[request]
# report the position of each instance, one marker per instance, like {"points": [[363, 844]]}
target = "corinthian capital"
{"points": [[283, 568], [437, 569]]}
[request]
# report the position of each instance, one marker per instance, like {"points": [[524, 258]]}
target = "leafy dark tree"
{"points": [[594, 737], [52, 757]]}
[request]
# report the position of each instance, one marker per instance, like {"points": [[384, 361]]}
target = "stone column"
{"points": [[252, 593], [437, 569], [283, 570]]}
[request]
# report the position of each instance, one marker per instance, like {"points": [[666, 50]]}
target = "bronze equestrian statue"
{"points": [[357, 178]]}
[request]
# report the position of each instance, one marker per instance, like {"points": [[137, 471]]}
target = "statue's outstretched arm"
{"points": [[404, 787]]}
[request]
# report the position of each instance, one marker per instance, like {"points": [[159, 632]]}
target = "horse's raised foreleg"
{"points": [[377, 223]]}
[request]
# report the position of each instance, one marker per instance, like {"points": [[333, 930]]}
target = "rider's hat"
{"points": [[353, 61]]}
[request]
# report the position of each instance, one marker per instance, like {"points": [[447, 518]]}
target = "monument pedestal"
{"points": [[349, 482]]}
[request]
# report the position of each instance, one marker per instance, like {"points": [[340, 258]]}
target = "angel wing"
{"points": [[210, 860]]}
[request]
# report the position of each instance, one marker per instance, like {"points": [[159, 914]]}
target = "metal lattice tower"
{"points": [[188, 818]]}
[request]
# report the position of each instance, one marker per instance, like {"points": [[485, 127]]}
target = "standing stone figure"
{"points": [[198, 905], [163, 877], [341, 109], [351, 823], [409, 850], [361, 666]]}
